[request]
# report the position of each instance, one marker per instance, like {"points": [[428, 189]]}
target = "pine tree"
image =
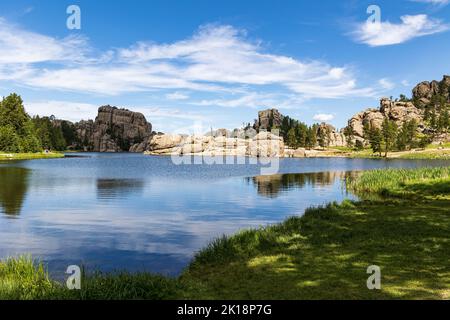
{"points": [[291, 138], [445, 118], [374, 136], [389, 135], [311, 140], [349, 135]]}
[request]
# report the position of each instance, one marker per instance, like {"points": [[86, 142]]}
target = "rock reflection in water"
{"points": [[13, 189]]}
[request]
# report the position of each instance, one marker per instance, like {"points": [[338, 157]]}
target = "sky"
{"points": [[189, 66]]}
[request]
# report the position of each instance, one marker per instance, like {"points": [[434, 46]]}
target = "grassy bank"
{"points": [[418, 183], [321, 255], [30, 156], [432, 152], [25, 279]]}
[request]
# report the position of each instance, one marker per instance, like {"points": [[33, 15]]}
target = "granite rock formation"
{"points": [[263, 144], [397, 111], [334, 138], [268, 119], [114, 130], [424, 91]]}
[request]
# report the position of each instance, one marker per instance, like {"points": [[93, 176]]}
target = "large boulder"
{"points": [[165, 142], [266, 144], [263, 144]]}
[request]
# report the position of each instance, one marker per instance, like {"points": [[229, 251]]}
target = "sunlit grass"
{"points": [[30, 156], [23, 278], [432, 154], [328, 252], [402, 182]]}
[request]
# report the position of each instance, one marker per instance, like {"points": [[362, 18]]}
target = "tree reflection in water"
{"points": [[13, 189]]}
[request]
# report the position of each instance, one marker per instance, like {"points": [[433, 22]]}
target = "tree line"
{"points": [[391, 137], [297, 134], [20, 133]]}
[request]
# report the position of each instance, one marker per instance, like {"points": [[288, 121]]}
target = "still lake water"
{"points": [[140, 213]]}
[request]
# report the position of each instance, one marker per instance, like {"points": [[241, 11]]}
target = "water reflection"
{"points": [[273, 186], [13, 189], [118, 188]]}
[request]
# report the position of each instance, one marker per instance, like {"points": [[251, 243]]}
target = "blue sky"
{"points": [[192, 65]]}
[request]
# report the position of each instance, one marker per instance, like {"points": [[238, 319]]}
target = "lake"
{"points": [[141, 213]]}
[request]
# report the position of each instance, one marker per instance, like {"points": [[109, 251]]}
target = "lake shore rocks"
{"points": [[263, 144]]}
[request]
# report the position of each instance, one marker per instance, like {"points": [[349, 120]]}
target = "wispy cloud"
{"points": [[387, 33], [72, 111], [217, 59], [21, 47], [434, 2], [177, 96], [323, 117], [386, 84], [28, 10]]}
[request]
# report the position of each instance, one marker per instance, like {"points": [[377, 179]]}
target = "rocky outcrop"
{"points": [[268, 119], [333, 137], [423, 93], [263, 144], [114, 130], [397, 111]]}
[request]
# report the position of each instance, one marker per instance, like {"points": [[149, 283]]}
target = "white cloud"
{"points": [[28, 10], [386, 84], [19, 46], [434, 2], [71, 111], [387, 33], [323, 117], [177, 96], [216, 59]]}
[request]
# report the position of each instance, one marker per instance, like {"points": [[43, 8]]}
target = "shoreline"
{"points": [[416, 154]]}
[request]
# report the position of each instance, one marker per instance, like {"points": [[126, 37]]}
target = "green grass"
{"points": [[321, 255], [23, 278], [432, 154], [422, 182], [436, 146], [325, 254], [29, 156]]}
